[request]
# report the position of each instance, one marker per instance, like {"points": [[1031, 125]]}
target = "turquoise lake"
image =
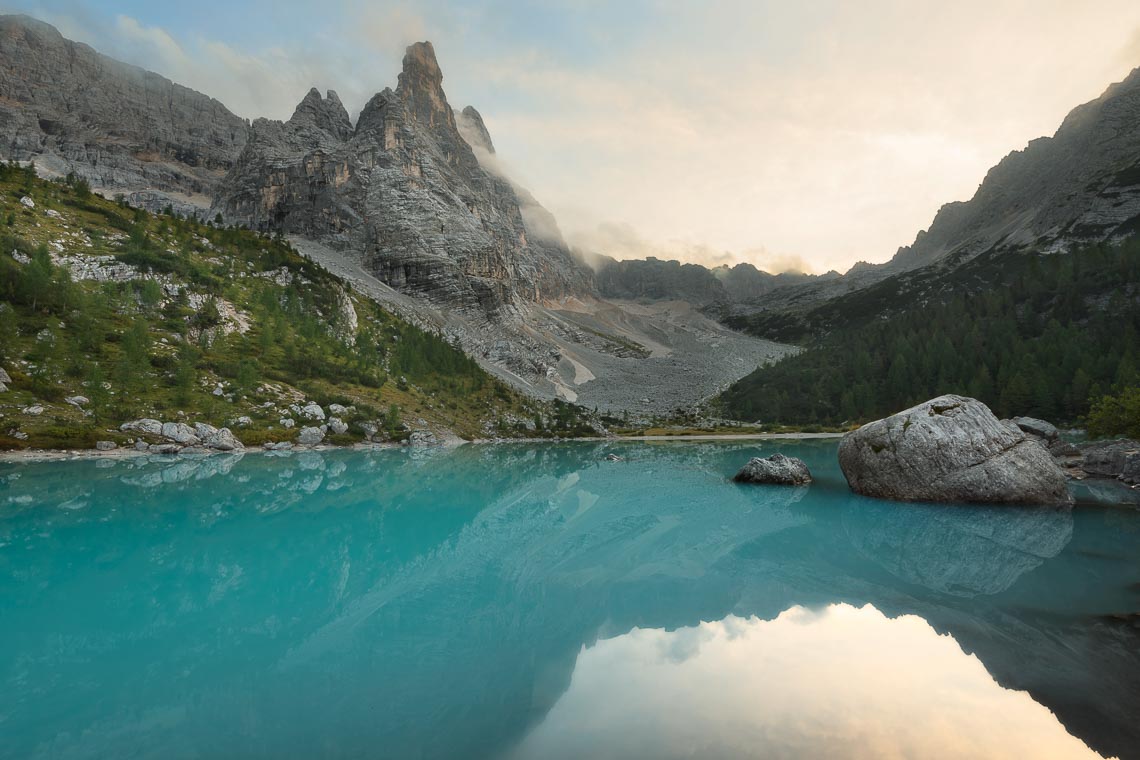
{"points": [[539, 601]]}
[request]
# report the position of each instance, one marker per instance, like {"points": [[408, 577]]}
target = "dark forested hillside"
{"points": [[1024, 332]]}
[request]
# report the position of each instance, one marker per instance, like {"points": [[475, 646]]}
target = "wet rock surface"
{"points": [[777, 469]]}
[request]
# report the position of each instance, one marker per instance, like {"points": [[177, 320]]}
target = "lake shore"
{"points": [[50, 455]]}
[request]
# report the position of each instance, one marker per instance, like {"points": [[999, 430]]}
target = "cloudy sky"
{"points": [[789, 134]]}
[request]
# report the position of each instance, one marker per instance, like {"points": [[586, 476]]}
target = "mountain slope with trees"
{"points": [[1025, 332], [109, 313]]}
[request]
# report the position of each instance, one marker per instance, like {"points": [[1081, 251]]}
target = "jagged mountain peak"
{"points": [[420, 87], [474, 130], [326, 113]]}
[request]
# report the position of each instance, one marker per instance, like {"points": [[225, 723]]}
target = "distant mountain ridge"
{"points": [[654, 279]]}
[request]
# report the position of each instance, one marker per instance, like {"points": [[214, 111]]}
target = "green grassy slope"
{"points": [[147, 315]]}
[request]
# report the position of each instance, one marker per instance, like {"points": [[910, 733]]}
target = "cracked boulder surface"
{"points": [[950, 449]]}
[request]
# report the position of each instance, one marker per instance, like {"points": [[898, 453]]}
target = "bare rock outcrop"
{"points": [[405, 190], [777, 469], [950, 449], [71, 109]]}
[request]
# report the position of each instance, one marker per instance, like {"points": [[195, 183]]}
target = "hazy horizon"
{"points": [[805, 138]]}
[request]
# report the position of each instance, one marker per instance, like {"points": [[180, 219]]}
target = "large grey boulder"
{"points": [[775, 470], [950, 449]]}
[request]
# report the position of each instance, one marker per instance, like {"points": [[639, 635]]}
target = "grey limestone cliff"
{"points": [[404, 190], [71, 109]]}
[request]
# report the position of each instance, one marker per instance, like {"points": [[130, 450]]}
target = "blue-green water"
{"points": [[540, 601]]}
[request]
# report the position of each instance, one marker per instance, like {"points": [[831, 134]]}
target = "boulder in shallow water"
{"points": [[950, 448], [777, 470]]}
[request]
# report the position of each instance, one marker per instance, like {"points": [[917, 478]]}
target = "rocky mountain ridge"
{"points": [[124, 129], [404, 192], [409, 203]]}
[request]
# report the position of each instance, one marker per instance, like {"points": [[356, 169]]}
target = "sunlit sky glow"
{"points": [[809, 135]]}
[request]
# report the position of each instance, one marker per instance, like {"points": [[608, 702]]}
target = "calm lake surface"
{"points": [[539, 601]]}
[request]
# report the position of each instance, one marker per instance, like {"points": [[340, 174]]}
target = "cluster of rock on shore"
{"points": [[953, 449]]}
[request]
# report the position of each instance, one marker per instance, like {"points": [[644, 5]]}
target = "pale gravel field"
{"points": [[572, 349]]}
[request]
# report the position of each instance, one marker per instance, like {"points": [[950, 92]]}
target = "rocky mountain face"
{"points": [[126, 130], [1080, 186], [404, 191], [1060, 193]]}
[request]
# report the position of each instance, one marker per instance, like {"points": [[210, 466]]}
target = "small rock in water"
{"points": [[774, 470], [613, 458]]}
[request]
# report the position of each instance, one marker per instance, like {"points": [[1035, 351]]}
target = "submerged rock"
{"points": [[950, 448], [774, 470]]}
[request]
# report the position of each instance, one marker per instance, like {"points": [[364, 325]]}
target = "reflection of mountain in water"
{"points": [[437, 602]]}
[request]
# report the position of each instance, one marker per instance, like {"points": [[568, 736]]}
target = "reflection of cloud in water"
{"points": [[842, 682]]}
